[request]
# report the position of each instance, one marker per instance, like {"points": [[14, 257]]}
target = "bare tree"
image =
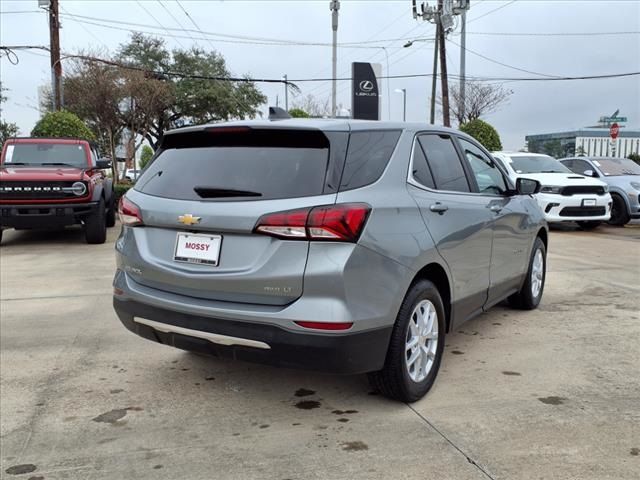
{"points": [[315, 107], [480, 99]]}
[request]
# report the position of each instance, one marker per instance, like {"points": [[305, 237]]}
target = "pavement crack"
{"points": [[469, 459]]}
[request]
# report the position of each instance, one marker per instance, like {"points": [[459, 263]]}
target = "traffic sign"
{"points": [[614, 130]]}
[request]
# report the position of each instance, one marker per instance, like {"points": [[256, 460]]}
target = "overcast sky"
{"points": [[535, 107]]}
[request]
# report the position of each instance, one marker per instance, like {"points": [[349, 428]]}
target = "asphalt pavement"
{"points": [[548, 394]]}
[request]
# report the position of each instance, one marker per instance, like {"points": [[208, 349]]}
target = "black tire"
{"points": [[393, 380], [1, 235], [589, 225], [524, 299], [111, 212], [95, 226], [619, 214]]}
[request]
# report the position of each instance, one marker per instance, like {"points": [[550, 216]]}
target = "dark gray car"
{"points": [[336, 245], [623, 177]]}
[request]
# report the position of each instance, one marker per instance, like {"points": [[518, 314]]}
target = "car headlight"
{"points": [[551, 189], [635, 185], [606, 188]]}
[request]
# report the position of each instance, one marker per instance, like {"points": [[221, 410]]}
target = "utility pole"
{"points": [[286, 93], [434, 77], [443, 67], [334, 5], [463, 50], [54, 47]]}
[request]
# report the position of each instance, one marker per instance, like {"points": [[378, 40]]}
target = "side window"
{"points": [[444, 162], [488, 176], [580, 166], [420, 168], [569, 164], [367, 157]]}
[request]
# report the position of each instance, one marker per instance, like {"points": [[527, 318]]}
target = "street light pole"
{"points": [[435, 71], [403, 91], [334, 5], [286, 93]]}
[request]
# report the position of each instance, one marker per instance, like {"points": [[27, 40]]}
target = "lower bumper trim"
{"points": [[212, 337], [336, 352]]}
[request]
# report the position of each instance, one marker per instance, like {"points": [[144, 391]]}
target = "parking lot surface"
{"points": [[552, 393]]}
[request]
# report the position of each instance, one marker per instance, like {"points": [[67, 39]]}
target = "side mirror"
{"points": [[103, 164], [589, 173], [527, 186]]}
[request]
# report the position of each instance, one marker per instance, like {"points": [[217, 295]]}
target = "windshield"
{"points": [[537, 164], [612, 167], [38, 154]]}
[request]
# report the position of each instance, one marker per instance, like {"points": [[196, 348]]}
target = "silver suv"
{"points": [[336, 245]]}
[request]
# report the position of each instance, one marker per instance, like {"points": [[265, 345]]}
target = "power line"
{"points": [[184, 10], [169, 73], [157, 21], [512, 67], [491, 11], [176, 20]]}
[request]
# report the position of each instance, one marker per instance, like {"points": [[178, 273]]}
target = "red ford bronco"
{"points": [[55, 182]]}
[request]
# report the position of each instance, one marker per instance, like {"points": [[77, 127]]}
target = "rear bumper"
{"points": [[44, 215], [343, 353]]}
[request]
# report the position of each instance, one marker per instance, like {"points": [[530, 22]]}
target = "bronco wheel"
{"points": [[111, 212], [95, 226], [588, 225], [619, 214], [416, 345], [530, 294]]}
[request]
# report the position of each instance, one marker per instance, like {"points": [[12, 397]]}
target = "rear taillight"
{"points": [[341, 222], [129, 212]]}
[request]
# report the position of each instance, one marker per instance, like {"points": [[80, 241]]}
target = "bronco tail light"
{"points": [[129, 212], [342, 222]]}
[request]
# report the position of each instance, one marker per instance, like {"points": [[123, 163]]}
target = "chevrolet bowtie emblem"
{"points": [[188, 219]]}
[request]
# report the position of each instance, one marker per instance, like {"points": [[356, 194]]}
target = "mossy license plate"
{"points": [[197, 248]]}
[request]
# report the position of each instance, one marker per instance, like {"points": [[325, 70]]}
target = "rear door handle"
{"points": [[438, 208], [495, 208]]}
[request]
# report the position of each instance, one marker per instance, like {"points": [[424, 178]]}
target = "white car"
{"points": [[564, 196], [132, 174]]}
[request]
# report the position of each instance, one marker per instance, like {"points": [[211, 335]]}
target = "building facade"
{"points": [[593, 142]]}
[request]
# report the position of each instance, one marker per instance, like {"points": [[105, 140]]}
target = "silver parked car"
{"points": [[623, 177], [338, 245]]}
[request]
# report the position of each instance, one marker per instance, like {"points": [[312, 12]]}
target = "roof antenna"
{"points": [[277, 113]]}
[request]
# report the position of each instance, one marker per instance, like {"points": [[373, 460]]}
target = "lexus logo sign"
{"points": [[366, 86]]}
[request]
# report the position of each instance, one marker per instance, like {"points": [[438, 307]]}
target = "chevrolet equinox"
{"points": [[336, 245]]}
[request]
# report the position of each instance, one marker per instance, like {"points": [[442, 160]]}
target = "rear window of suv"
{"points": [[238, 164]]}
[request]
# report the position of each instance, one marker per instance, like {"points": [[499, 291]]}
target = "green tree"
{"points": [[635, 157], [533, 146], [145, 155], [553, 148], [188, 100], [7, 129], [62, 124], [298, 113], [484, 133]]}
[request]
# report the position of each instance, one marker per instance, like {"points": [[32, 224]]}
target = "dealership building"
{"points": [[592, 141]]}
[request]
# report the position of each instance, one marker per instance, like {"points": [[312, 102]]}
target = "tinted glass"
{"points": [[537, 164], [237, 172], [367, 157], [444, 162], [580, 166], [617, 166], [488, 176], [420, 169], [46, 153]]}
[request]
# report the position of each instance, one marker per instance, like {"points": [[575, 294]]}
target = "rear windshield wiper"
{"points": [[10, 164], [214, 192]]}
